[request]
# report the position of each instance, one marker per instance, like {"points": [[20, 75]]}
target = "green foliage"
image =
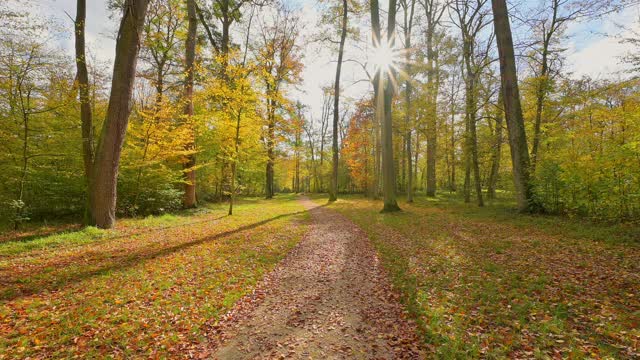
{"points": [[588, 166], [18, 212]]}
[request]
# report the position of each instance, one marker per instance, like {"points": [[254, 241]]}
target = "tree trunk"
{"points": [[189, 200], [25, 161], [415, 162], [86, 116], [333, 193], [234, 164], [452, 181], [388, 172], [432, 136], [408, 23], [109, 148], [269, 190], [377, 99], [497, 152], [541, 93], [474, 148], [467, 160], [409, 158], [433, 15], [512, 106]]}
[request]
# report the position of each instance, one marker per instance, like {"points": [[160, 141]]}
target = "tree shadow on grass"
{"points": [[86, 265], [37, 233]]}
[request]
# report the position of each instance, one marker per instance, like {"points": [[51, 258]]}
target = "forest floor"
{"points": [[297, 278], [329, 298], [490, 283], [151, 288]]}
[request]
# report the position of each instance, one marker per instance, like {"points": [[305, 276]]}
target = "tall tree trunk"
{"points": [[409, 159], [234, 164], [433, 13], [467, 159], [432, 135], [333, 193], [25, 161], [86, 116], [408, 24], [513, 107], [377, 99], [496, 153], [236, 144], [189, 200], [415, 162], [452, 181], [474, 146], [107, 158], [541, 94], [269, 189], [402, 149], [388, 172], [377, 128], [471, 110]]}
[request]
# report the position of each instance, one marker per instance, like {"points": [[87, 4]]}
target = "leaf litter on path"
{"points": [[329, 298]]}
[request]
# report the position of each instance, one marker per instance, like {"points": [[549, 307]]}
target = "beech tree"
{"points": [[408, 7], [512, 106], [384, 80], [190, 199], [104, 173], [434, 11], [472, 19], [333, 193], [86, 113], [279, 65]]}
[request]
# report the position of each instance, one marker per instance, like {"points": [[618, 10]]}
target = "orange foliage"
{"points": [[359, 145]]}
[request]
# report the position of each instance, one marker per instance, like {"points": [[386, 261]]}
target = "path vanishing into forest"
{"points": [[329, 298]]}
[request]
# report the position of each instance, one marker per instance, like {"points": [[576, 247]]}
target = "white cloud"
{"points": [[596, 50]]}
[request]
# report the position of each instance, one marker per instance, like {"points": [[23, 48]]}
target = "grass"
{"points": [[146, 289], [490, 283]]}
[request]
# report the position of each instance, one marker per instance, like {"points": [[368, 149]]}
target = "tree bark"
{"points": [[471, 111], [377, 99], [496, 153], [269, 188], [189, 200], [433, 14], [472, 105], [544, 76], [333, 193], [432, 134], [388, 172], [408, 24], [107, 158], [541, 94], [86, 116], [513, 107]]}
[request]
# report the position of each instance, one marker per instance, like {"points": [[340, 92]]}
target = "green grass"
{"points": [[71, 238], [149, 288], [490, 283]]}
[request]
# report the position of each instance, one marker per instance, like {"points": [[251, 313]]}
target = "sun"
{"points": [[385, 57]]}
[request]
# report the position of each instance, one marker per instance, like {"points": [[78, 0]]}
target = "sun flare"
{"points": [[385, 57]]}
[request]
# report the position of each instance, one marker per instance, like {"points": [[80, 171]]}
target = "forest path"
{"points": [[329, 298]]}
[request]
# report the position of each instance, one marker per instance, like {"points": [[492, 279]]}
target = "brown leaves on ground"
{"points": [[145, 290], [492, 285], [328, 299]]}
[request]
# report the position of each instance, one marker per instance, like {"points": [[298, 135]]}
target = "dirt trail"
{"points": [[328, 299]]}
